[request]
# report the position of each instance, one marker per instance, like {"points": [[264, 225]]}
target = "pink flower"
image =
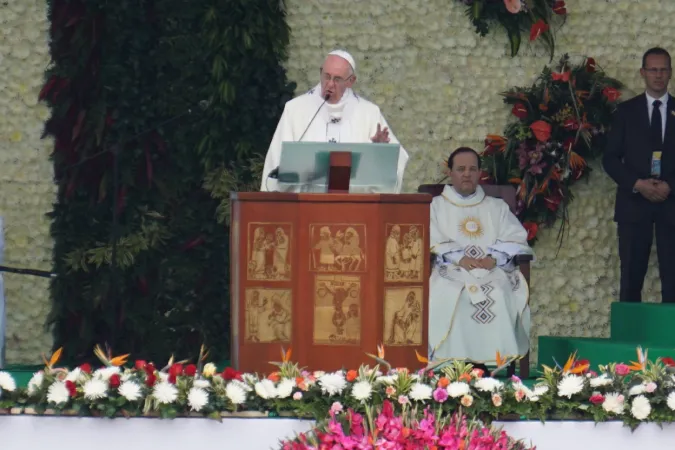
{"points": [[297, 396], [513, 6], [403, 399], [597, 399], [622, 369], [336, 408], [497, 400], [651, 387], [390, 391], [440, 395]]}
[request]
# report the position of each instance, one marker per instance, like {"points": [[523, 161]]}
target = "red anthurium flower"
{"points": [[538, 28], [485, 178], [532, 229], [564, 76], [519, 110], [590, 65], [611, 93], [571, 124], [559, 7], [568, 145], [668, 361], [541, 130]]}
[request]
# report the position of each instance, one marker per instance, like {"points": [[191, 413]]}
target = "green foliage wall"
{"points": [[120, 71]]}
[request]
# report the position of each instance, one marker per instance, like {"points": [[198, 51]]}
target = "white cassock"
{"points": [[354, 119], [473, 314]]}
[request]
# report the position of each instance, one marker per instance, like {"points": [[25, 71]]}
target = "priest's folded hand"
{"points": [[469, 263]]}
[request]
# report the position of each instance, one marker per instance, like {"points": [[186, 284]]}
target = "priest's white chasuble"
{"points": [[473, 314], [353, 119]]}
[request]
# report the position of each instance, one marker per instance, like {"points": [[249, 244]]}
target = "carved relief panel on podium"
{"points": [[404, 253], [403, 316], [268, 315], [269, 251], [337, 310], [337, 248]]}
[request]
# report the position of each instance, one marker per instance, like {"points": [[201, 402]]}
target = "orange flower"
{"points": [[443, 382], [351, 375], [274, 376], [541, 130], [465, 377], [299, 380], [421, 358], [576, 161], [405, 431]]}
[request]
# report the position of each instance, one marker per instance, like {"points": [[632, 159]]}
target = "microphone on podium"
{"points": [[274, 174]]}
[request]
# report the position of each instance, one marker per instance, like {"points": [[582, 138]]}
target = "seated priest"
{"points": [[330, 112], [478, 299]]}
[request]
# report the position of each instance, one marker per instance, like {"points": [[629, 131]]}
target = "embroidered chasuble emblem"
{"points": [[483, 314], [471, 227]]}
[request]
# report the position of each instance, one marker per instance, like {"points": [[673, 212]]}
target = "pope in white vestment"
{"points": [[344, 117], [478, 301]]}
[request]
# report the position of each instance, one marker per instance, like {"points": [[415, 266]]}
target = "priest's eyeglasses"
{"points": [[655, 70], [337, 80]]}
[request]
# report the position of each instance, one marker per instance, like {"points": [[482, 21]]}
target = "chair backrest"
{"points": [[504, 191]]}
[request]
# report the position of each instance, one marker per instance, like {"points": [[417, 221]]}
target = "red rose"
{"points": [[149, 368], [559, 7], [171, 379], [590, 65], [150, 380], [176, 370], [140, 364], [611, 94], [72, 389], [114, 381], [86, 368], [230, 374], [597, 399], [519, 110], [190, 370]]}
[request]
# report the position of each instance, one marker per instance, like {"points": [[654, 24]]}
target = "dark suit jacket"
{"points": [[628, 158]]}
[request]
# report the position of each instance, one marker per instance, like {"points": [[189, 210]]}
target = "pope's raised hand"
{"points": [[381, 136]]}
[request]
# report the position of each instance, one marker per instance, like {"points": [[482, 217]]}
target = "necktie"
{"points": [[656, 127]]}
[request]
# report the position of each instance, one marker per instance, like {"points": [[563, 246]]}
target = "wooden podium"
{"points": [[331, 276]]}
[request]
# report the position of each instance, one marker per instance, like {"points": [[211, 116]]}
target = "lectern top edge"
{"points": [[329, 198]]}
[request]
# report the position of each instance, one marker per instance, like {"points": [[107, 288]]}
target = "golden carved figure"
{"points": [[404, 253], [403, 316], [338, 248], [268, 315], [269, 252], [337, 307]]}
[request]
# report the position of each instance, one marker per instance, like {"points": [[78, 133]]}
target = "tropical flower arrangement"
{"points": [[641, 392], [411, 429], [514, 16], [561, 122]]}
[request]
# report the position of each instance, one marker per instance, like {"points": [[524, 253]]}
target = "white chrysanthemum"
{"points": [[75, 375], [242, 385], [458, 389], [420, 392], [249, 378], [163, 376], [539, 390], [165, 392], [35, 383], [614, 403], [58, 393], [285, 388], [202, 384], [95, 388], [332, 383], [602, 380], [488, 384], [197, 399], [7, 383], [235, 393], [640, 408], [265, 389], [106, 372], [671, 401], [570, 385], [386, 379], [126, 376], [362, 390], [130, 390], [637, 390]]}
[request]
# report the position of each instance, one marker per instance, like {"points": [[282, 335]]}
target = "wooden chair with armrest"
{"points": [[508, 194]]}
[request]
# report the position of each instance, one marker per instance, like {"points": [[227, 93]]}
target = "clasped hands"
{"points": [[487, 263], [655, 191]]}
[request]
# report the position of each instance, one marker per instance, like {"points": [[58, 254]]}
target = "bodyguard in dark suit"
{"points": [[640, 157]]}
